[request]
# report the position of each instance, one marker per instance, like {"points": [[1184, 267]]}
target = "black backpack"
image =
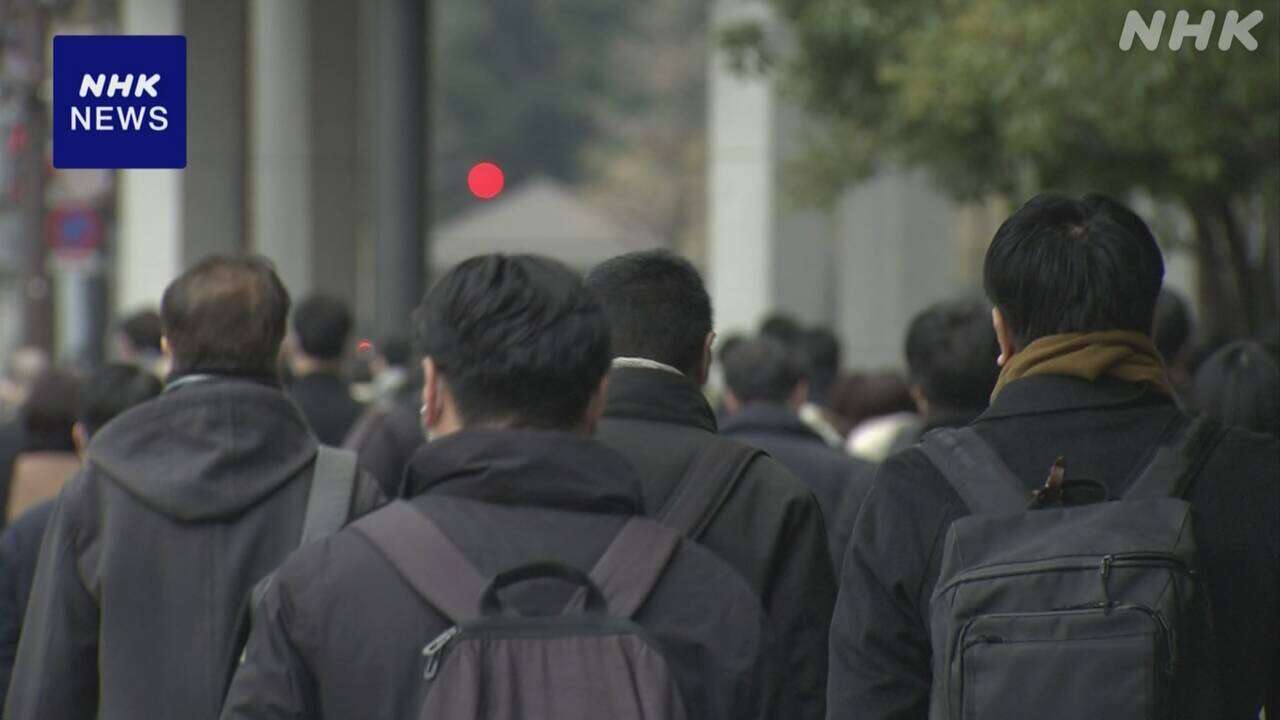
{"points": [[591, 661], [1094, 611], [706, 485]]}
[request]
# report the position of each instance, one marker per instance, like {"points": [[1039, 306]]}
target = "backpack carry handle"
{"points": [[490, 604]]}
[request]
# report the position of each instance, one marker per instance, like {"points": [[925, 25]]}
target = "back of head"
{"points": [[863, 396], [397, 351], [821, 350], [322, 324], [951, 354], [111, 390], [762, 370], [226, 314], [1063, 265], [50, 412], [142, 330], [1240, 385], [782, 327], [519, 341], [657, 307]]}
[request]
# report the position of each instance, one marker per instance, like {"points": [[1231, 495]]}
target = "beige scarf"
{"points": [[1122, 354]]}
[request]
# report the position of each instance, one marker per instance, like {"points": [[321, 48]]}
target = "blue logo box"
{"points": [[119, 101]]}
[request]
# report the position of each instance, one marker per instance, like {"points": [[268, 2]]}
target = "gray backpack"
{"points": [[589, 662], [1046, 608]]}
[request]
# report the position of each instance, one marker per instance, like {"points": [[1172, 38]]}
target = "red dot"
{"points": [[485, 180]]}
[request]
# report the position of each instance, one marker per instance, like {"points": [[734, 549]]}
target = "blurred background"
{"points": [[844, 162]]}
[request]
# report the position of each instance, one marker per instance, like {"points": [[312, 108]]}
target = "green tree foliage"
{"points": [[1014, 96]]}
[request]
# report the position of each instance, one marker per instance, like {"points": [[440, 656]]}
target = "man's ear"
{"points": [[917, 396], [431, 404], [80, 437], [799, 395], [165, 348], [595, 406], [1003, 337], [704, 367]]}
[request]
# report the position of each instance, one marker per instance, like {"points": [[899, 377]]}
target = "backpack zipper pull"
{"points": [[1104, 571], [433, 650]]}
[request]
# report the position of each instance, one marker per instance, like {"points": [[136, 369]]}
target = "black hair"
{"points": [[1061, 265], [821, 350], [951, 354], [762, 370], [50, 412], [111, 390], [1171, 327], [143, 330], [657, 307], [226, 314], [782, 327], [1240, 385], [518, 340], [322, 324]]}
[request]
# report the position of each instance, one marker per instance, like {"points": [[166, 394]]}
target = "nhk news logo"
{"points": [[119, 101]]}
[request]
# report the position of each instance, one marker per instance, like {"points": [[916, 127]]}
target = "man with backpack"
{"points": [[1082, 549], [743, 505], [140, 598], [520, 580]]}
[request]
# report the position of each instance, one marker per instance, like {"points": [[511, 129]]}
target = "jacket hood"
{"points": [[206, 450]]}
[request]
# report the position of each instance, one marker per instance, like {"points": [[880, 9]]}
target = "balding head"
{"points": [[226, 315]]}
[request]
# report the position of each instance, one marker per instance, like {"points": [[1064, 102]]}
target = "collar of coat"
{"points": [[637, 393], [526, 467], [1057, 393], [770, 418]]}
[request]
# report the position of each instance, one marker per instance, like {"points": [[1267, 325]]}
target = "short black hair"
{"points": [[951, 354], [1061, 265], [762, 369], [1171, 327], [397, 351], [518, 339], [657, 307], [322, 324], [1240, 385], [822, 356], [143, 330], [50, 412], [111, 390], [782, 327], [226, 314]]}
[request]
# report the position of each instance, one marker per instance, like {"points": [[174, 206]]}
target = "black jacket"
{"points": [[343, 633], [327, 404], [880, 653], [19, 550], [770, 529], [385, 438], [185, 502], [839, 482]]}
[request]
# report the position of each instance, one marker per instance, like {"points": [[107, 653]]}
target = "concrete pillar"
{"points": [[149, 236], [213, 185], [397, 63], [280, 217], [766, 251]]}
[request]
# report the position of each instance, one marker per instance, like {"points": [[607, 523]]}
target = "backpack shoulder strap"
{"points": [[706, 485], [426, 558], [1176, 461], [329, 500], [971, 466], [632, 564]]}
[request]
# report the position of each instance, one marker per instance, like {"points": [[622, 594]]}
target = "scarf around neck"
{"points": [[1122, 354]]}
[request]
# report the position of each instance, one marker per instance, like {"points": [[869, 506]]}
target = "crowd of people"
{"points": [[568, 497]]}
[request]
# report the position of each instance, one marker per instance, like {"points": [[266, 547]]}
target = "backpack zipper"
{"points": [[434, 649]]}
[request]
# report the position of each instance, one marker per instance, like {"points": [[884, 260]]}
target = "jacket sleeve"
{"points": [[56, 672], [10, 607], [367, 495], [880, 645], [273, 683], [798, 591]]}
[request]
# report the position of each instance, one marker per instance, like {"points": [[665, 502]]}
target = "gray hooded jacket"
{"points": [[183, 504]]}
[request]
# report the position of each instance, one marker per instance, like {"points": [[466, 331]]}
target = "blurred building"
{"points": [[306, 142]]}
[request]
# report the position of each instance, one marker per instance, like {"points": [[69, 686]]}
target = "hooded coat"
{"points": [[184, 503]]}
